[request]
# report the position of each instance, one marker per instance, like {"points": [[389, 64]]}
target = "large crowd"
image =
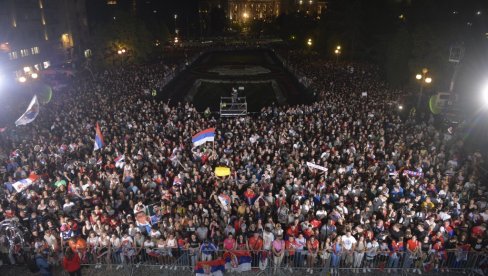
{"points": [[390, 187]]}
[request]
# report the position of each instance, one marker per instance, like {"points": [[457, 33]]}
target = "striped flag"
{"points": [[98, 138], [207, 135], [30, 114], [21, 185]]}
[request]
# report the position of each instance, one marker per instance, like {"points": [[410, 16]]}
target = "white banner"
{"points": [[315, 166]]}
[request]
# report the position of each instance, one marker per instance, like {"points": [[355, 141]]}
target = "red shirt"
{"points": [[255, 243], [412, 245], [73, 264]]}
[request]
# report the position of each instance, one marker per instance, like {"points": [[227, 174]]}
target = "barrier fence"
{"points": [[133, 260]]}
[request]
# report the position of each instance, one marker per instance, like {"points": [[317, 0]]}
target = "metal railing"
{"points": [[135, 261]]}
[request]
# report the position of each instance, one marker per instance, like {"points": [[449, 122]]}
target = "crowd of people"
{"points": [[347, 181]]}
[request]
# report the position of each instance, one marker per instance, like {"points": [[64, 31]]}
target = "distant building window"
{"points": [[46, 64], [13, 55], [24, 52], [35, 50], [111, 2], [67, 41], [88, 53]]}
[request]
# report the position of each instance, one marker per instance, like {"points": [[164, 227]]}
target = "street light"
{"points": [[309, 42], [22, 79], [337, 52], [176, 17], [422, 78], [34, 75], [119, 52]]}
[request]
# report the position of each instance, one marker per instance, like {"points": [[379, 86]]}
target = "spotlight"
{"points": [[22, 79], [484, 94], [34, 75]]}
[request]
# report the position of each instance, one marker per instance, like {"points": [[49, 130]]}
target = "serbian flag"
{"points": [[207, 135], [21, 185], [98, 138], [237, 261], [120, 161], [30, 114], [214, 268]]}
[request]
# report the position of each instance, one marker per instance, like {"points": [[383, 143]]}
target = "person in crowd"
{"points": [[72, 262]]}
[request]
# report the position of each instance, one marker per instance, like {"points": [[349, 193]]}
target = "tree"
{"points": [[124, 32]]}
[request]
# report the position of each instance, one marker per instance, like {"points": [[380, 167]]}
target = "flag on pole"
{"points": [[120, 161], [98, 138], [30, 114], [207, 135], [21, 185]]}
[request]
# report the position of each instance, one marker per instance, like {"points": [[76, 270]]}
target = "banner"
{"points": [[222, 171], [314, 166]]}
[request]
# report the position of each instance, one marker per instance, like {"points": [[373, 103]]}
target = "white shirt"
{"points": [[348, 242], [268, 238]]}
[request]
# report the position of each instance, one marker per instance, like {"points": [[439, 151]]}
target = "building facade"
{"points": [[37, 34], [244, 11]]}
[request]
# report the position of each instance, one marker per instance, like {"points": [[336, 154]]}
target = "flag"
{"points": [[98, 138], [21, 185], [237, 261], [120, 161], [225, 201], [214, 268], [30, 114], [207, 135]]}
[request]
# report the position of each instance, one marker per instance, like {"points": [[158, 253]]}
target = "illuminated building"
{"points": [[36, 34]]}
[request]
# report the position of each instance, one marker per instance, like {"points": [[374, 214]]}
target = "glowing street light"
{"points": [[422, 78], [119, 52], [22, 79], [400, 107], [337, 52], [245, 15], [34, 75], [309, 42]]}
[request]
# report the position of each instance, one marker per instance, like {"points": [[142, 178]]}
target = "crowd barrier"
{"points": [[130, 260]]}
